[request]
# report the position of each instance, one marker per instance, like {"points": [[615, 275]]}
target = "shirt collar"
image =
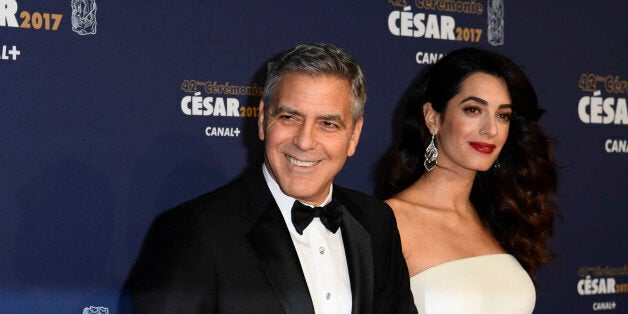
{"points": [[284, 201]]}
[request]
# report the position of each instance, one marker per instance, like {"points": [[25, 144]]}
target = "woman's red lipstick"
{"points": [[483, 148]]}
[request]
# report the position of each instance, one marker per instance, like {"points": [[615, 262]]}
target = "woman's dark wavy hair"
{"points": [[516, 201]]}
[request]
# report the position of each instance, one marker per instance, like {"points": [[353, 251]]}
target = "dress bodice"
{"points": [[483, 284]]}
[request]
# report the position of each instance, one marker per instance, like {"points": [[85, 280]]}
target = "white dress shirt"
{"points": [[321, 254]]}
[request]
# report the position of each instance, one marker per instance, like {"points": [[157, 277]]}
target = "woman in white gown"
{"points": [[472, 183]]}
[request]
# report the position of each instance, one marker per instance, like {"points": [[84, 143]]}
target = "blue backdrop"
{"points": [[114, 111]]}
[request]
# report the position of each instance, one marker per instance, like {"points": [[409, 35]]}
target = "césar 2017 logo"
{"points": [[28, 20]]}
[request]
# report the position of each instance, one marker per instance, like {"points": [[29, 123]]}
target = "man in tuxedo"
{"points": [[283, 238]]}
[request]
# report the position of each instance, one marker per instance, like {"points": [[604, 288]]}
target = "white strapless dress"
{"points": [[487, 284]]}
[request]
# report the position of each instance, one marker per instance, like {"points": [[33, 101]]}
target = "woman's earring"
{"points": [[431, 153], [497, 164]]}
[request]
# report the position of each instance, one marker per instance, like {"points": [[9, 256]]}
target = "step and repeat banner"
{"points": [[113, 111]]}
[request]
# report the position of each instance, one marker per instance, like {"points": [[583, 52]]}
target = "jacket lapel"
{"points": [[271, 241], [359, 254]]}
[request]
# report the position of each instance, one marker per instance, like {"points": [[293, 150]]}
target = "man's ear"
{"points": [[355, 137], [260, 121], [432, 118]]}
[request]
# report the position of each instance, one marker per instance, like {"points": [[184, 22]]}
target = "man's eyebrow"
{"points": [[279, 109], [283, 109], [333, 118]]}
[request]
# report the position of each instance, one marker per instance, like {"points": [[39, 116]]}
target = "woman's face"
{"points": [[474, 127]]}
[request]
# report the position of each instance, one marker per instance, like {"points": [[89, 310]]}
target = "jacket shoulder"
{"points": [[363, 205], [211, 206]]}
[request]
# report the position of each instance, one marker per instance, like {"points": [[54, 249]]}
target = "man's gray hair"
{"points": [[318, 59]]}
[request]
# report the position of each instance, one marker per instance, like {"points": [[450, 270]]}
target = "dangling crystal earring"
{"points": [[497, 164], [431, 153]]}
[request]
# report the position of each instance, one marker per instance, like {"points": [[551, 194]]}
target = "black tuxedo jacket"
{"points": [[229, 251]]}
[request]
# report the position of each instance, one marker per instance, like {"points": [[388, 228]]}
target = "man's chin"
{"points": [[310, 196]]}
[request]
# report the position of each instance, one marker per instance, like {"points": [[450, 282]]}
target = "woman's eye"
{"points": [[472, 109], [504, 116]]}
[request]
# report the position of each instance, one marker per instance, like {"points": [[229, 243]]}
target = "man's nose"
{"points": [[305, 139]]}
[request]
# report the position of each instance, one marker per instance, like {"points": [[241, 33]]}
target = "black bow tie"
{"points": [[330, 215]]}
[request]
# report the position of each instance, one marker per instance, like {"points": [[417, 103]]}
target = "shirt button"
{"points": [[321, 250], [328, 296]]}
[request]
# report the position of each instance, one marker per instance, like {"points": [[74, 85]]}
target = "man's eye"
{"points": [[329, 125]]}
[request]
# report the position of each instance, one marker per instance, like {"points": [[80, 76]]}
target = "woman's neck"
{"points": [[442, 189]]}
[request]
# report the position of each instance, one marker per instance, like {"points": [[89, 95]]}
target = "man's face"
{"points": [[308, 133]]}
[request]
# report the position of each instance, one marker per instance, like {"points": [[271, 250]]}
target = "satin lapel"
{"points": [[271, 240], [359, 254]]}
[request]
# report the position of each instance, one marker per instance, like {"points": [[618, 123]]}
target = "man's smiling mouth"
{"points": [[301, 163]]}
